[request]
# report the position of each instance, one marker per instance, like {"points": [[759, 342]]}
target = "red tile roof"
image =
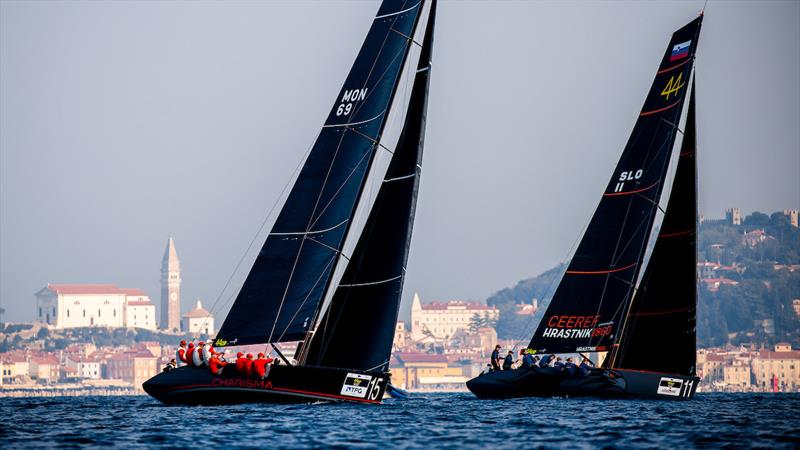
{"points": [[84, 288], [133, 292]]}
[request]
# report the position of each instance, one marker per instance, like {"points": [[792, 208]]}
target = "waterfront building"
{"points": [[16, 368], [441, 320], [777, 370], [134, 366], [44, 369], [423, 372], [84, 367], [170, 289], [198, 320], [87, 305]]}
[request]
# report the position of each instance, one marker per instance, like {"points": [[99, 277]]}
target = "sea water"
{"points": [[422, 421]]}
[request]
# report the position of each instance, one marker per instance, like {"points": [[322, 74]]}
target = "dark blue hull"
{"points": [[284, 384], [552, 382]]}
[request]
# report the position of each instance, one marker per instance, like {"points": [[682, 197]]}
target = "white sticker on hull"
{"points": [[670, 386], [356, 385]]}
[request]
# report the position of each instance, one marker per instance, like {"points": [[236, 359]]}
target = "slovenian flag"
{"points": [[680, 51]]}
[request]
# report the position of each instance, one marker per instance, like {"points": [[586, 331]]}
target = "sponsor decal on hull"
{"points": [[241, 383], [670, 386], [356, 385]]}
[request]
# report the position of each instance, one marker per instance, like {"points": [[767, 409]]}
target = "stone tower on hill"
{"points": [[170, 289]]}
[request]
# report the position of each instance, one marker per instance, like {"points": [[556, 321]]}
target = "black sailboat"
{"points": [[647, 331], [345, 324]]}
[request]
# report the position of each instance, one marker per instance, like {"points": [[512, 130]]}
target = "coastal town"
{"points": [[101, 339]]}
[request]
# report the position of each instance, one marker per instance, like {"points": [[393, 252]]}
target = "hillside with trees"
{"points": [[749, 277]]}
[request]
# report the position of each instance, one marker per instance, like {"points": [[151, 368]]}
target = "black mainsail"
{"points": [[282, 293], [659, 333], [371, 287], [587, 308]]}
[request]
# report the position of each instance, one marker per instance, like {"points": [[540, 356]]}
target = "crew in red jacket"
{"points": [[180, 355], [241, 361], [190, 355], [260, 366], [248, 366], [215, 365]]}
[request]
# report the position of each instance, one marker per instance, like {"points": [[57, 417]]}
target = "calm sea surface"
{"points": [[424, 421]]}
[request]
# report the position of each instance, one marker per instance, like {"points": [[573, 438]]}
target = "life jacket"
{"points": [[260, 367], [216, 365], [190, 356], [248, 367], [207, 352], [240, 365], [180, 357]]}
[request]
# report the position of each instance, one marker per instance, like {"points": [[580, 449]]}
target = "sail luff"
{"points": [[292, 271]]}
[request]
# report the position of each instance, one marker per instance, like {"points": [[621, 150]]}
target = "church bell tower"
{"points": [[170, 289]]}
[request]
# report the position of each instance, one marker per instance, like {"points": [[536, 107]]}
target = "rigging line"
{"points": [[305, 233], [673, 125], [339, 189], [374, 141], [260, 229], [409, 38], [379, 365], [338, 252], [297, 311], [655, 203], [372, 283]]}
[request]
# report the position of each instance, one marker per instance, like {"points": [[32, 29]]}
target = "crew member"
{"points": [[261, 367], [190, 355], [180, 355], [570, 367], [248, 366], [545, 362], [216, 365], [241, 361], [558, 364], [170, 365], [208, 350], [527, 358], [584, 367], [496, 358], [197, 357], [509, 361]]}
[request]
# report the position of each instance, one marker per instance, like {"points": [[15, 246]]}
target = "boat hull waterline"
{"points": [[283, 384], [552, 382]]}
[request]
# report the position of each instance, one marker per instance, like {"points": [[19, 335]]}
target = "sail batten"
{"points": [[600, 280]]}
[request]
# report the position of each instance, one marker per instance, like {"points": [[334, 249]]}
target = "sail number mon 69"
{"points": [[349, 97]]}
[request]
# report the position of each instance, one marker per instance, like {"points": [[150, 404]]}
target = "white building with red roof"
{"points": [[441, 320], [88, 305], [198, 320]]}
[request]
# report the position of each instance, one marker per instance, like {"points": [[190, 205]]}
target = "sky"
{"points": [[122, 123]]}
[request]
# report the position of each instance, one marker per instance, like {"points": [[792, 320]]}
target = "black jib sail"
{"points": [[659, 332], [291, 274], [588, 305], [363, 312]]}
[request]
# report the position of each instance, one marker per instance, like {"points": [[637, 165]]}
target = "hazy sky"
{"points": [[124, 122]]}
